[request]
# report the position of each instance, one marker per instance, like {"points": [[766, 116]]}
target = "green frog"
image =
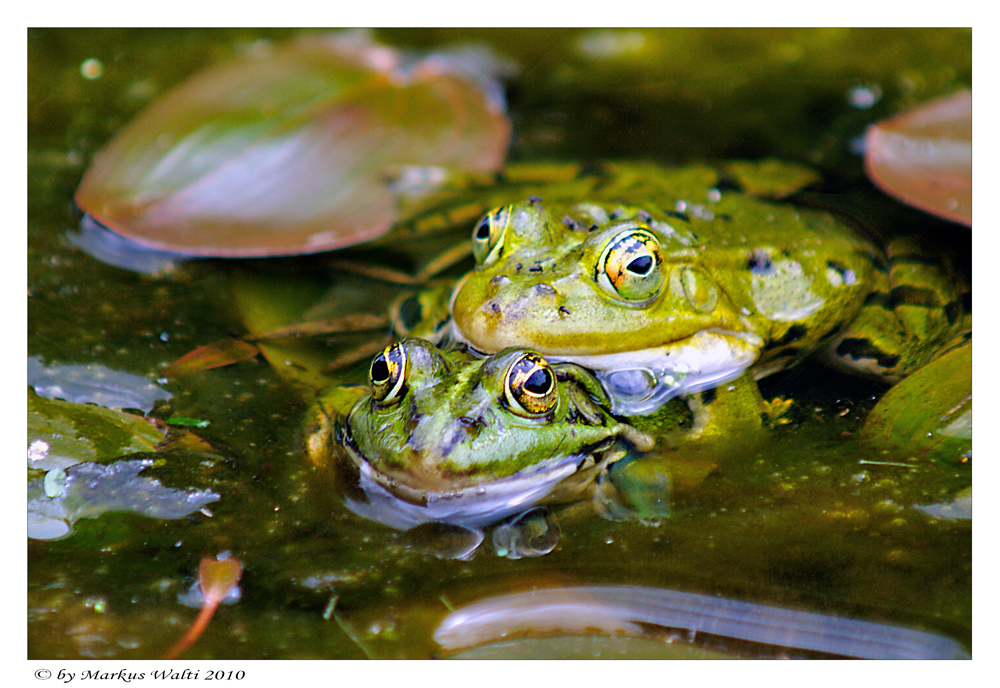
{"points": [[451, 438], [681, 281]]}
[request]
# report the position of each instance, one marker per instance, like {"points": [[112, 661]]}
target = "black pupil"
{"points": [[380, 370], [641, 265], [483, 230], [539, 382]]}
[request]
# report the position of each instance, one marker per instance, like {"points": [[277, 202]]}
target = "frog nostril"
{"points": [[499, 279], [543, 288]]}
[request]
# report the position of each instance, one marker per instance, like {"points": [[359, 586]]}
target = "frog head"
{"points": [[617, 290], [450, 428]]}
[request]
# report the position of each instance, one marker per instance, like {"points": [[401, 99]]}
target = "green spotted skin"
{"points": [[916, 311]]}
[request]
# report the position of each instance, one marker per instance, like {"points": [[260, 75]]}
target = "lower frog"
{"points": [[444, 437], [690, 283]]}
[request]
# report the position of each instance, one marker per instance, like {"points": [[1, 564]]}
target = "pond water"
{"points": [[804, 522]]}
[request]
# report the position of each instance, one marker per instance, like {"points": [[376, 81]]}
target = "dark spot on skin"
{"points": [[680, 216], [495, 307], [726, 217], [570, 223], [645, 217], [856, 349], [535, 268], [878, 298], [564, 310], [518, 267], [458, 433], [410, 312], [592, 169], [727, 183], [615, 214], [593, 228], [708, 396], [535, 200], [952, 311], [759, 262], [913, 296], [794, 333]]}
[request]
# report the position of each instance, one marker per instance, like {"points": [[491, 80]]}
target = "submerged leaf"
{"points": [[924, 157], [217, 577], [293, 152], [215, 355]]}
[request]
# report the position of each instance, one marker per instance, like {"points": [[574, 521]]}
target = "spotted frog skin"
{"points": [[689, 282], [471, 440]]}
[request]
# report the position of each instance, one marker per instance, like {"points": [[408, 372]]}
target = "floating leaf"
{"points": [[306, 149], [87, 490], [924, 157], [929, 413], [61, 434], [93, 384]]}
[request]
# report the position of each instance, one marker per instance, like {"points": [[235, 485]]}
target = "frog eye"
{"points": [[487, 237], [386, 374], [631, 266], [530, 386]]}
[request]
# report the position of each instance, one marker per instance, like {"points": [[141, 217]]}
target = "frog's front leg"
{"points": [[719, 420], [728, 415], [918, 311]]}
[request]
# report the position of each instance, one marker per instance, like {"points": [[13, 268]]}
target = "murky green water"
{"points": [[798, 523]]}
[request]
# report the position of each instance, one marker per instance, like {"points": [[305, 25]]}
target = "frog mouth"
{"points": [[640, 382], [388, 500]]}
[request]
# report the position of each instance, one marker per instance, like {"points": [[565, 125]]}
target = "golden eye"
{"points": [[631, 266], [487, 237], [530, 386], [386, 374]]}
